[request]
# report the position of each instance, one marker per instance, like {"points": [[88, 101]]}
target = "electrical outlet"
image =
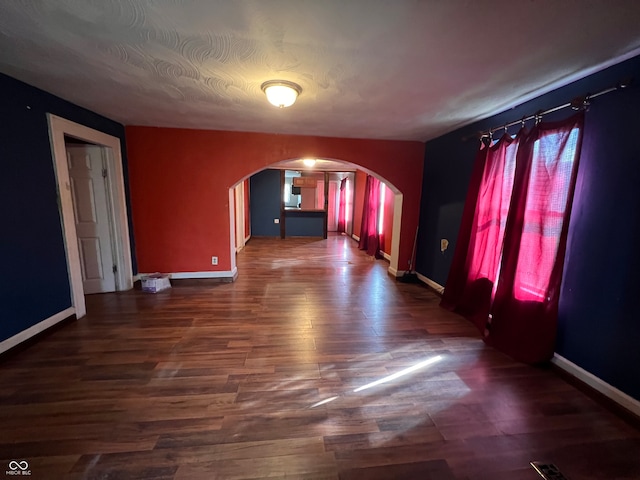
{"points": [[276, 220], [214, 260]]}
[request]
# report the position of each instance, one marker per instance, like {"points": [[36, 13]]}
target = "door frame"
{"points": [[239, 211], [58, 128]]}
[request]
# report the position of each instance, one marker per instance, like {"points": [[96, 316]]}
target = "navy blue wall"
{"points": [[265, 203], [265, 206], [304, 224], [34, 284], [598, 326]]}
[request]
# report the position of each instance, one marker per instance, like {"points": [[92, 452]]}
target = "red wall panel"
{"points": [[180, 181]]}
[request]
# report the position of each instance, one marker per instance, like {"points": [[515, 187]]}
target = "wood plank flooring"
{"points": [[263, 378]]}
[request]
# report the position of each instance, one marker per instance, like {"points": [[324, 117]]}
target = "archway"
{"points": [[336, 165]]}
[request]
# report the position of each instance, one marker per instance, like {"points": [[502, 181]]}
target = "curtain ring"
{"points": [[580, 103], [522, 122], [538, 116]]}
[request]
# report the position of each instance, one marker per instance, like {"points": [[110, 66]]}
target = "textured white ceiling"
{"points": [[402, 69]]}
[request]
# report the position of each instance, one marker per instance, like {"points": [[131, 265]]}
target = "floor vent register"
{"points": [[548, 471]]}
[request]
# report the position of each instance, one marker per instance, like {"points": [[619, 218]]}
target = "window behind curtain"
{"points": [[549, 182], [494, 198]]}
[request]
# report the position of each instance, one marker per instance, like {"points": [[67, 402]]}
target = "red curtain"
{"points": [[342, 206], [486, 219], [455, 293], [369, 236], [506, 278]]}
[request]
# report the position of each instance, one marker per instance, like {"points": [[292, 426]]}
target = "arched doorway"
{"points": [[238, 194]]}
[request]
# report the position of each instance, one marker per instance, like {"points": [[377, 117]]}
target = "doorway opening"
{"points": [[267, 202], [96, 261]]}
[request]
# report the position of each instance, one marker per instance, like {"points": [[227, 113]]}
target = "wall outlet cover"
{"points": [[214, 260]]}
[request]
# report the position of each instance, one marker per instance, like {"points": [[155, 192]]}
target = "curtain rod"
{"points": [[577, 103]]}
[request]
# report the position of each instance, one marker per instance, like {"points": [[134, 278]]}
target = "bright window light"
{"points": [[543, 213], [381, 209], [287, 192], [347, 197], [401, 373]]}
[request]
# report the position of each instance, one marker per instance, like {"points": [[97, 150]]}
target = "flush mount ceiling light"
{"points": [[281, 93], [309, 162]]}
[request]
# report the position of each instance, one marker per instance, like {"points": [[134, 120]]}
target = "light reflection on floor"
{"points": [[395, 376], [401, 373]]}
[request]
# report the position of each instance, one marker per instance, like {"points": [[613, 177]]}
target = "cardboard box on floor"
{"points": [[155, 283]]}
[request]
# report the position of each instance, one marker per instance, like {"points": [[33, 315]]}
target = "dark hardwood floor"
{"points": [[227, 381]]}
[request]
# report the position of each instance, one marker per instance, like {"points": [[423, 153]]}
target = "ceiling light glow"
{"points": [[281, 93], [309, 162]]}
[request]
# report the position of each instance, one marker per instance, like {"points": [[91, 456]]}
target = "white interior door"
{"points": [[87, 172]]}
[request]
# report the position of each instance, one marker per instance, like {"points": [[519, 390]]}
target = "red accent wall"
{"points": [[180, 181], [358, 201]]}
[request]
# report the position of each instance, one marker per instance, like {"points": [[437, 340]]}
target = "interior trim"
{"points": [[435, 285], [612, 393], [217, 274], [33, 330], [58, 128]]}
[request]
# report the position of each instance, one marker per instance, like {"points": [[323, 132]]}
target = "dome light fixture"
{"points": [[281, 93]]}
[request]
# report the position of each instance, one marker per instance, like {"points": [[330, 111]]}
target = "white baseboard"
{"points": [[136, 277], [35, 329], [217, 274], [609, 391], [181, 275], [384, 255], [394, 272], [436, 286], [247, 238]]}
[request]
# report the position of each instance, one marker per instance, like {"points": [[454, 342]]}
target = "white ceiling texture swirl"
{"points": [[402, 69]]}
